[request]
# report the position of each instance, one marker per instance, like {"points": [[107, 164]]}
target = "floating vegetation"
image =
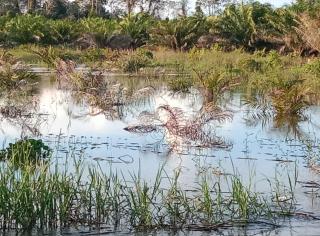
{"points": [[180, 129]]}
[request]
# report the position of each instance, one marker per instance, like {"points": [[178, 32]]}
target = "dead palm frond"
{"points": [[182, 129]]}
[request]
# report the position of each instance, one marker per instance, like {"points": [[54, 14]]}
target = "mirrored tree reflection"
{"points": [[21, 109]]}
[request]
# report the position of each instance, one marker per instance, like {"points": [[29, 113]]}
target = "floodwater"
{"points": [[257, 150]]}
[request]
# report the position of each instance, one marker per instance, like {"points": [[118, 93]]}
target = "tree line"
{"points": [[106, 8], [231, 24]]}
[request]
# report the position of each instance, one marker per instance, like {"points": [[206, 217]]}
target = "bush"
{"points": [[180, 85], [137, 27], [25, 152], [179, 34], [100, 28], [28, 28], [136, 60], [65, 31]]}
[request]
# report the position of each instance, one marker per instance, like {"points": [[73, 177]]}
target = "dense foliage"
{"points": [[250, 25]]}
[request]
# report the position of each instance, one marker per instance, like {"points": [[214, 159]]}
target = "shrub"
{"points": [[137, 27], [25, 152], [29, 29], [99, 27], [179, 34], [180, 85], [65, 31], [136, 60]]}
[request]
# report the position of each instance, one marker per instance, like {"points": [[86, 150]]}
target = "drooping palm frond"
{"points": [[137, 27], [180, 129], [309, 30], [179, 34]]}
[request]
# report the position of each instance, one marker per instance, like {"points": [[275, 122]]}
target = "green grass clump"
{"points": [[180, 84], [26, 152], [136, 60], [50, 198]]}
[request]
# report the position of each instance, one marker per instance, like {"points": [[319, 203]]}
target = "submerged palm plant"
{"points": [[180, 129], [283, 104], [215, 83], [291, 98]]}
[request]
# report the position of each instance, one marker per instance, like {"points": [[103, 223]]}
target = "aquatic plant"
{"points": [[13, 73], [180, 129], [136, 60], [49, 199], [25, 152], [180, 84]]}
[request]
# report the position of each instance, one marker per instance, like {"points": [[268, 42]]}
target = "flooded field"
{"points": [[132, 136]]}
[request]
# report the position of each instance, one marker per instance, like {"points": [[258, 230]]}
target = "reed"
{"points": [[46, 198]]}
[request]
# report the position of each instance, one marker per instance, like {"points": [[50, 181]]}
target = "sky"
{"points": [[276, 3]]}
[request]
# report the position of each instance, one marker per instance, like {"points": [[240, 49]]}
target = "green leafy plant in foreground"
{"points": [[26, 152], [49, 198]]}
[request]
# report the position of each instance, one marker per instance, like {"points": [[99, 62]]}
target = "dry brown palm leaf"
{"points": [[181, 129]]}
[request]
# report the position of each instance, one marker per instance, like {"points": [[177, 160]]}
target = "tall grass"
{"points": [[46, 197]]}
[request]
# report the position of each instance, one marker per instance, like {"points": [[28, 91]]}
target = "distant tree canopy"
{"points": [[242, 24], [106, 8]]}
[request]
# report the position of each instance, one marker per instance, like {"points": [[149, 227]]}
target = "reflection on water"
{"points": [[67, 120]]}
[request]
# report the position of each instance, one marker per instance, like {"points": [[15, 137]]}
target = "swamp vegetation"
{"points": [[42, 190], [132, 123]]}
